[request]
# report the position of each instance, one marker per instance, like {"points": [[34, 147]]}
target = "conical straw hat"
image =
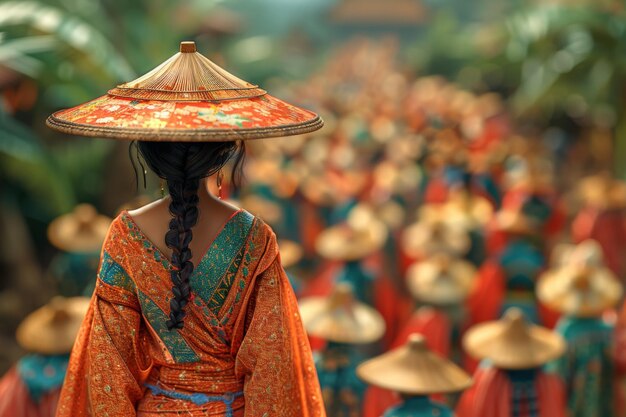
{"points": [[430, 236], [414, 370], [290, 252], [359, 237], [83, 230], [580, 286], [513, 343], [340, 318], [441, 280], [186, 98], [52, 329]]}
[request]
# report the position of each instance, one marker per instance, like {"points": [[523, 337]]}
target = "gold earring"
{"points": [[162, 188], [220, 176]]}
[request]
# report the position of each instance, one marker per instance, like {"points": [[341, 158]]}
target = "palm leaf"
{"points": [[69, 30]]}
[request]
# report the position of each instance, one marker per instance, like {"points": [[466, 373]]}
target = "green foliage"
{"points": [[571, 60], [16, 53], [25, 164], [76, 50]]}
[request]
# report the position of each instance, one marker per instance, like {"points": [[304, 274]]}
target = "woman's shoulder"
{"points": [[260, 231], [120, 239], [256, 236]]}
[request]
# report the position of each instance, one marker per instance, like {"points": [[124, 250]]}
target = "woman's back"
{"points": [[241, 351], [153, 220], [154, 317]]}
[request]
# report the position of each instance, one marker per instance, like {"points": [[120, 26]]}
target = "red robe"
{"points": [[608, 228], [16, 401], [490, 396]]}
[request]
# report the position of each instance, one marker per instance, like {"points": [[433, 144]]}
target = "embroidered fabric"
{"points": [[242, 333]]}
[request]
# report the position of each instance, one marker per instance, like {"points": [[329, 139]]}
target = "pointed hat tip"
{"points": [[188, 46], [417, 342]]}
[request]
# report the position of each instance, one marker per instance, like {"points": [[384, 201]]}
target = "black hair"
{"points": [[183, 165]]}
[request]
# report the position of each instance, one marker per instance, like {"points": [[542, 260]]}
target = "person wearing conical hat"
{"points": [[350, 243], [439, 286], [581, 288], [78, 236], [449, 169], [357, 248], [442, 284], [32, 387], [192, 313], [432, 233], [602, 217], [530, 189], [507, 278], [510, 381], [346, 324], [471, 213], [415, 372]]}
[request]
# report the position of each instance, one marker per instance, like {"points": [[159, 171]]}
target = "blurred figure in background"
{"points": [[415, 372], [582, 289], [32, 387], [510, 381], [79, 236]]}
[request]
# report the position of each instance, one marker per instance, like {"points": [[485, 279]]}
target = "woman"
{"points": [[192, 313]]}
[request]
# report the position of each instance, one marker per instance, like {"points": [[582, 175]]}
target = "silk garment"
{"points": [[242, 351]]}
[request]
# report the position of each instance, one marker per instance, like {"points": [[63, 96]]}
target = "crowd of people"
{"points": [[444, 221]]}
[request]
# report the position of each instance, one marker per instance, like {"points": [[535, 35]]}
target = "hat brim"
{"points": [[557, 291], [40, 333], [489, 341], [425, 286], [342, 243], [414, 373], [65, 233], [191, 121], [357, 324]]}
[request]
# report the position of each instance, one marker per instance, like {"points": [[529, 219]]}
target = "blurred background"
{"points": [[421, 98]]}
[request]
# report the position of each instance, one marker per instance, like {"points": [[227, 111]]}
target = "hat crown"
{"points": [[187, 47], [443, 263], [414, 369], [516, 327], [58, 309], [84, 215], [342, 296], [581, 279], [188, 76], [417, 343]]}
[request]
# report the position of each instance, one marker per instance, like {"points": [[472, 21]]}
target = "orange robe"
{"points": [[242, 351]]}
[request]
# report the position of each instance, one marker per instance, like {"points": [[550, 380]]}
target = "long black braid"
{"points": [[183, 165]]}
